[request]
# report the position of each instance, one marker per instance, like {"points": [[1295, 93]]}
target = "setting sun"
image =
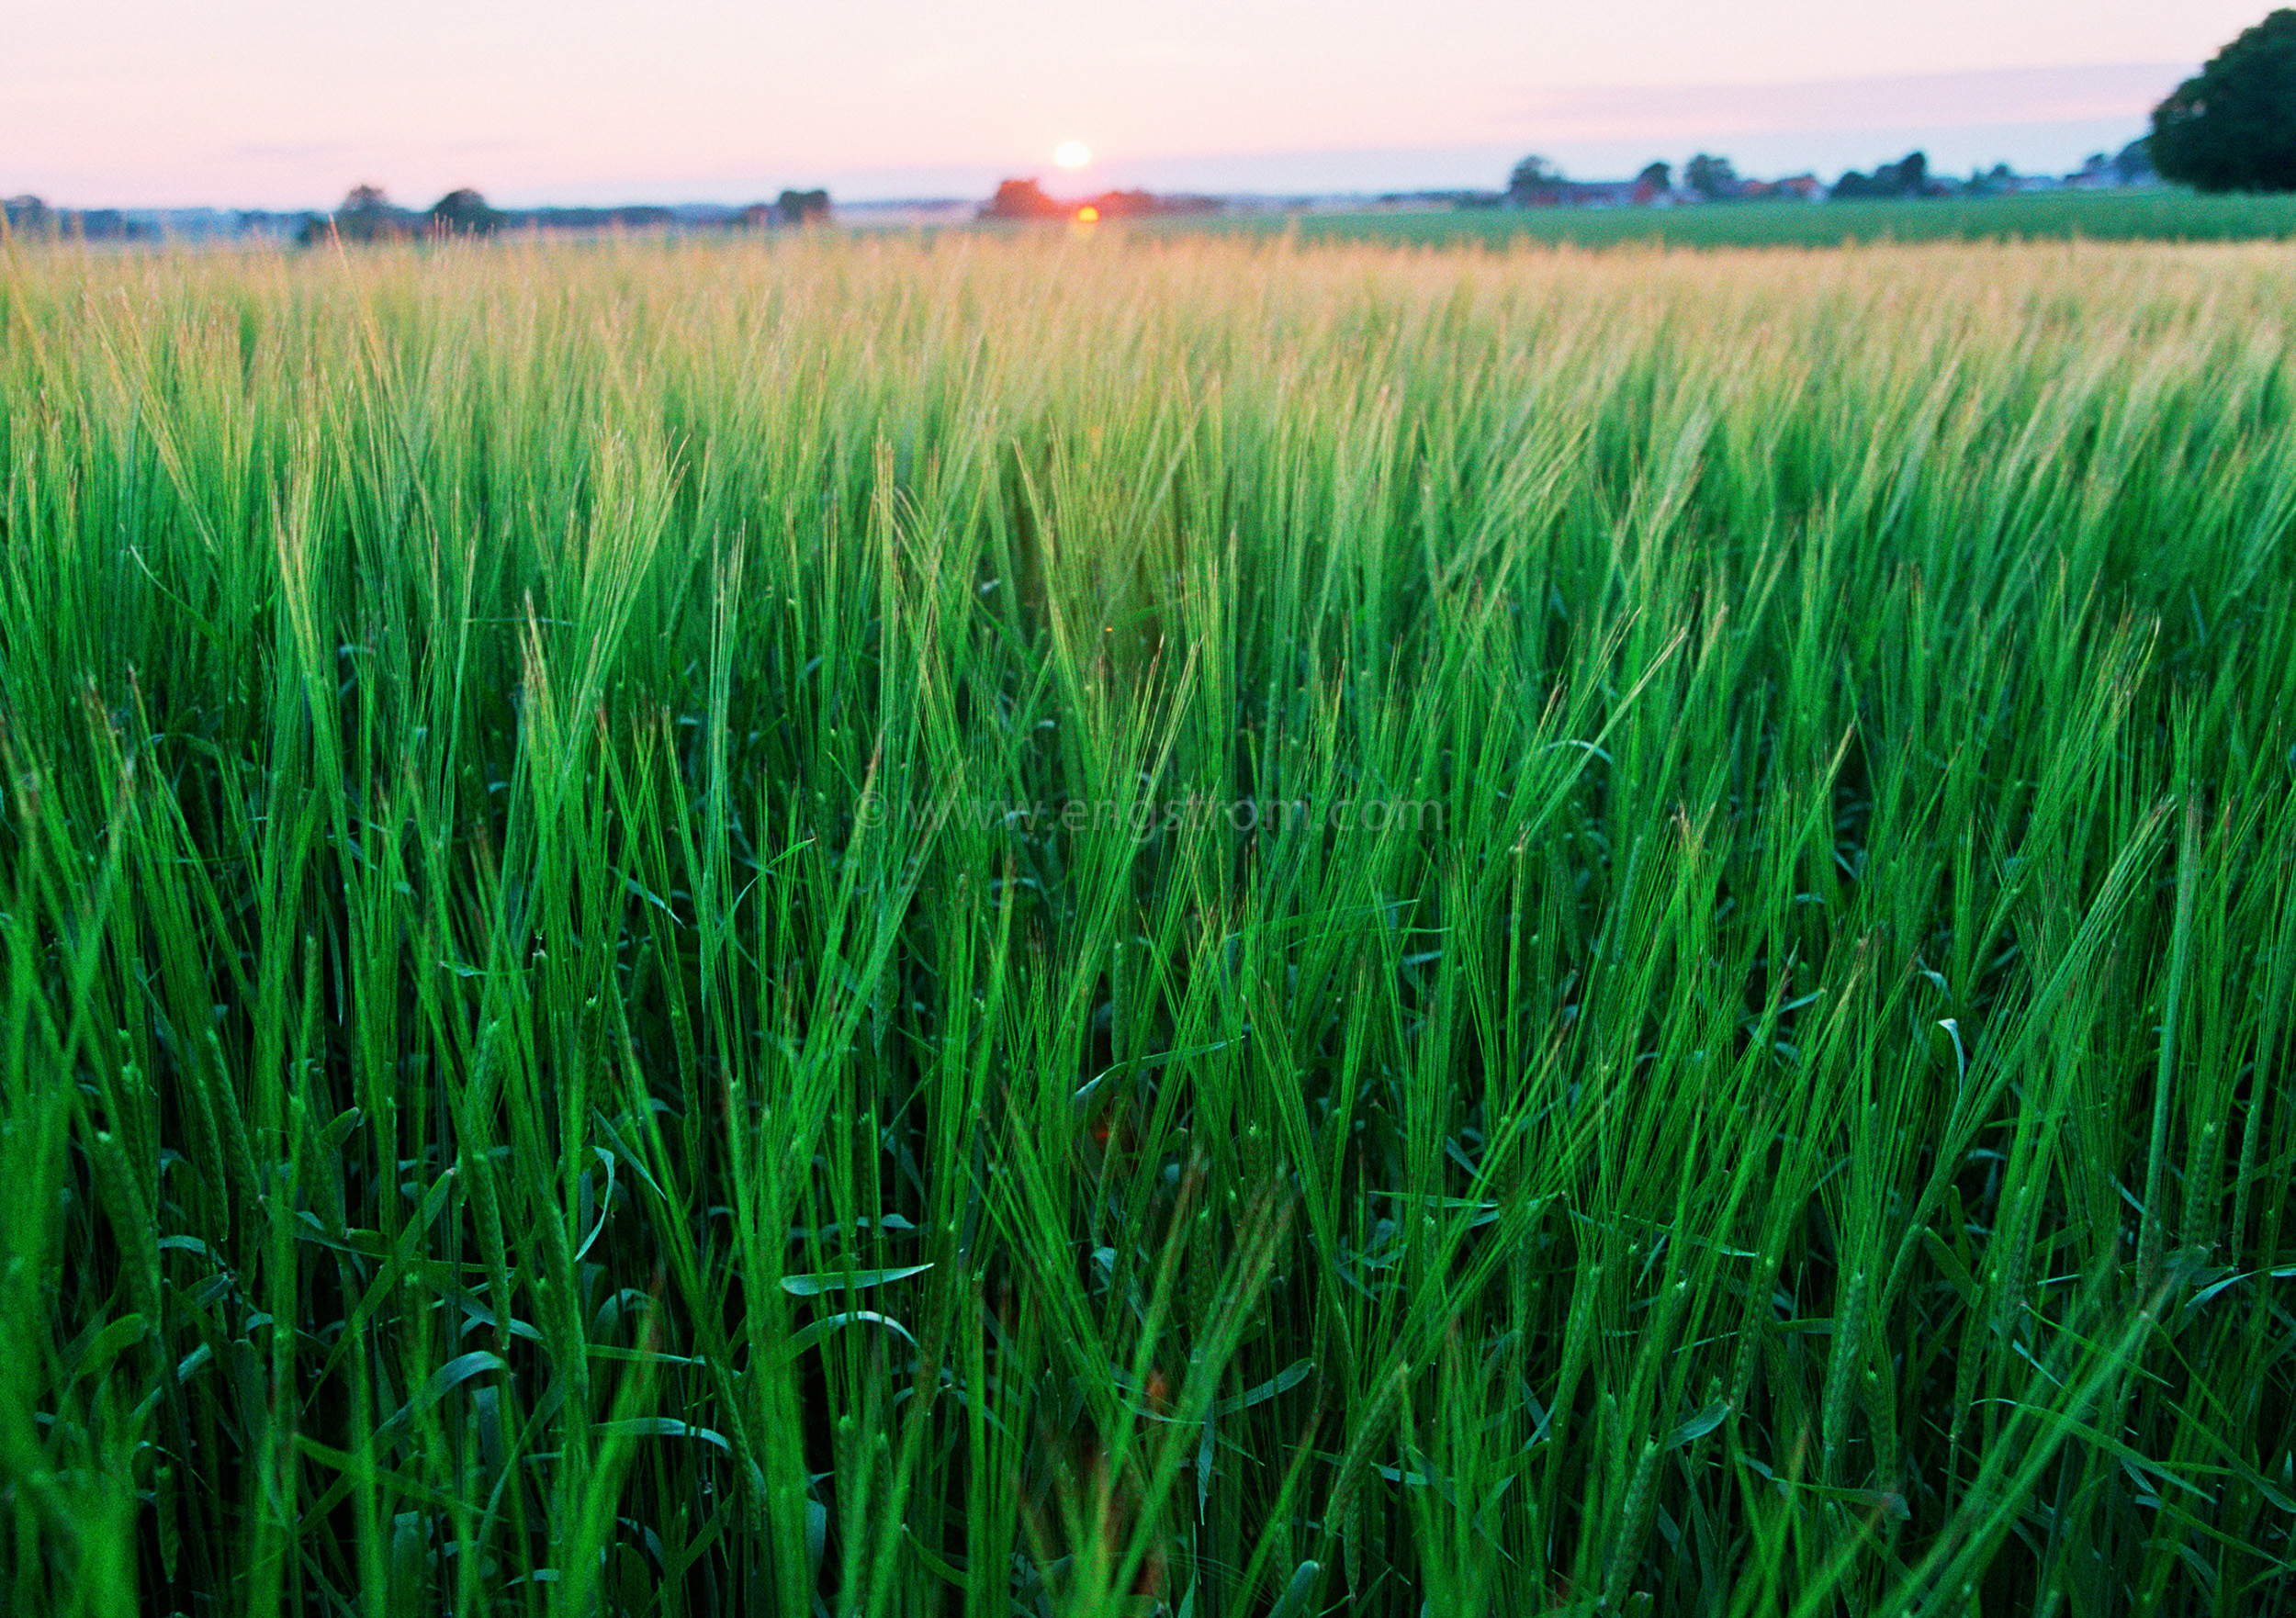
{"points": [[1072, 155], [1087, 215]]}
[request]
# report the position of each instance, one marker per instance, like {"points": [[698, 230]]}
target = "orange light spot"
{"points": [[1088, 214]]}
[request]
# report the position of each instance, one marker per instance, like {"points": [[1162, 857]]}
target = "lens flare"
{"points": [[1072, 155]]}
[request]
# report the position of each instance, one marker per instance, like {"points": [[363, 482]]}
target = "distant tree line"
{"points": [[1538, 182], [1909, 176], [367, 215], [1026, 199], [32, 217]]}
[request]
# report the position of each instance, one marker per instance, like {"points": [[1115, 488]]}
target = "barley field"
{"points": [[1110, 923]]}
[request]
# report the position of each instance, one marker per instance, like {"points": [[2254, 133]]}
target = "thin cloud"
{"points": [[286, 152], [2004, 96]]}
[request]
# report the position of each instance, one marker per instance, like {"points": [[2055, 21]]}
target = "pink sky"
{"points": [[262, 103]]}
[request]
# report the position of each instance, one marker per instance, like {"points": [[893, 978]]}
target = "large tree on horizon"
{"points": [[1533, 180], [463, 213], [1023, 199], [1714, 178], [2233, 127]]}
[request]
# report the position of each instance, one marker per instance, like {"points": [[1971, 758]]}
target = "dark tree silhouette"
{"points": [[463, 213], [1714, 178], [1023, 199], [803, 207], [2233, 128], [365, 214], [1909, 176], [1535, 181]]}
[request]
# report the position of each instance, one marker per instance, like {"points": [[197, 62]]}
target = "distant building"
{"points": [[1598, 193], [1792, 189], [1558, 192]]}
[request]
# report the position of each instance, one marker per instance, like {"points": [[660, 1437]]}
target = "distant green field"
{"points": [[2144, 216]]}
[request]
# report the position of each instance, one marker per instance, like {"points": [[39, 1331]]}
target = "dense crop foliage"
{"points": [[1035, 926]]}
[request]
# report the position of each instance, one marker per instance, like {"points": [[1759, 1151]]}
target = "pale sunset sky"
{"points": [[273, 104]]}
